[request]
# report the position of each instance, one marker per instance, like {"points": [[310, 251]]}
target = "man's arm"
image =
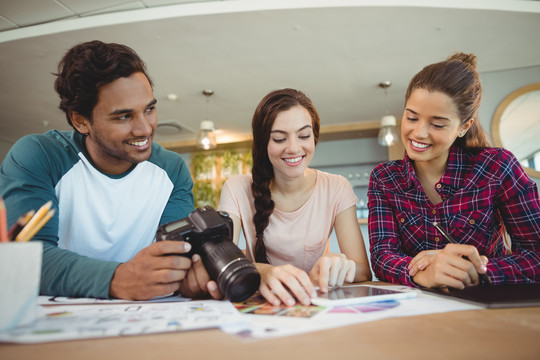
{"points": [[28, 176], [181, 200]]}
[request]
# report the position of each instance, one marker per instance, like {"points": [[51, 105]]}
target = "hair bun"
{"points": [[469, 59]]}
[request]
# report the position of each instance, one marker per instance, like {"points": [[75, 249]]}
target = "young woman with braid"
{"points": [[451, 177], [287, 211]]}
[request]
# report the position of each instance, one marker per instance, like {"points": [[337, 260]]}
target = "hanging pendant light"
{"points": [[206, 139], [387, 133]]}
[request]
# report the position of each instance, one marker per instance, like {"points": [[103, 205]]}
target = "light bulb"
{"points": [[206, 138], [387, 133]]}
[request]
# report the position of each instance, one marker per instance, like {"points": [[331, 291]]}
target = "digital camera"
{"points": [[210, 234]]}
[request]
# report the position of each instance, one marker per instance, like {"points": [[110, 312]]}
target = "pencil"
{"points": [[34, 220], [19, 225], [30, 234], [3, 222]]}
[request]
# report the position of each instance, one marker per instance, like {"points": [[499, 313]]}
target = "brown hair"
{"points": [[458, 78], [262, 171], [88, 66]]}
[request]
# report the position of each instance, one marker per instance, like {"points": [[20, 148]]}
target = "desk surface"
{"points": [[476, 334]]}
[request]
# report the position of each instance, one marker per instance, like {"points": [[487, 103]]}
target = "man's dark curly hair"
{"points": [[88, 66]]}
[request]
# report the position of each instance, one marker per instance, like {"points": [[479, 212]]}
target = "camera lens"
{"points": [[240, 282], [236, 276]]}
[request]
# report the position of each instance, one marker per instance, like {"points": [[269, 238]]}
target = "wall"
{"points": [[357, 158], [4, 148], [356, 151], [499, 84]]}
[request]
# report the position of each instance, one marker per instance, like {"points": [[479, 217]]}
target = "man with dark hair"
{"points": [[111, 185]]}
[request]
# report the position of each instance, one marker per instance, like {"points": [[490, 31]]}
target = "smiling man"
{"points": [[111, 185]]}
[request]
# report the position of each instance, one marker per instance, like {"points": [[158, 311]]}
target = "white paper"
{"points": [[265, 327], [71, 322], [62, 300]]}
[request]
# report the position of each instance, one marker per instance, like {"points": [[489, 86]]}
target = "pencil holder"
{"points": [[20, 272]]}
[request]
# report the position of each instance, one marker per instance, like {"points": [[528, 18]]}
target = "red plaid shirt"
{"points": [[475, 188]]}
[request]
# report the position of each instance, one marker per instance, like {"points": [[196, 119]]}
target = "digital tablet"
{"points": [[357, 294], [495, 296]]}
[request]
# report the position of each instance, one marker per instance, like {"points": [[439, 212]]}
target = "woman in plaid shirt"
{"points": [[451, 176]]}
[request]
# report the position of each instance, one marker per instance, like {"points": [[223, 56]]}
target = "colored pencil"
{"points": [[33, 231], [19, 224], [3, 222], [43, 210]]}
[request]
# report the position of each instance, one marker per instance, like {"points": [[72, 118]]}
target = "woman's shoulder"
{"points": [[239, 181], [491, 165], [332, 183], [329, 178], [390, 173], [491, 151], [494, 158]]}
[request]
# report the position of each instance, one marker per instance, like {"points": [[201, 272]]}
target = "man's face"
{"points": [[123, 124]]}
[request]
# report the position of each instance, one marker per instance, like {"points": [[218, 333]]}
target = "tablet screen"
{"points": [[348, 292], [359, 294]]}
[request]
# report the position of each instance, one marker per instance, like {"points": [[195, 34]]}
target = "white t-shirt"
{"points": [[300, 237]]}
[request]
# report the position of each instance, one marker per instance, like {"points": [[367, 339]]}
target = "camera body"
{"points": [[210, 234], [202, 225]]}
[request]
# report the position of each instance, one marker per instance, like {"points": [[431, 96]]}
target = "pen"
{"points": [[484, 279]]}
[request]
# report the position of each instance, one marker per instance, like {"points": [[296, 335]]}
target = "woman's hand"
{"points": [[332, 270], [421, 261], [278, 282], [456, 266]]}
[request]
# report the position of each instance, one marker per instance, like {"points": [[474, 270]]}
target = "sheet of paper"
{"points": [[251, 320], [71, 322], [61, 300], [257, 305], [264, 326]]}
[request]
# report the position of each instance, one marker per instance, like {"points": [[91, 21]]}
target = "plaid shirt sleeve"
{"points": [[519, 206], [389, 263]]}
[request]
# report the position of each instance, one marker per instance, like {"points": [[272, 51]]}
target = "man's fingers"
{"points": [[201, 275], [174, 262], [213, 290], [168, 247]]}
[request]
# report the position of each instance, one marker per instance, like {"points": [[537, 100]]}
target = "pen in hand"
{"points": [[484, 279]]}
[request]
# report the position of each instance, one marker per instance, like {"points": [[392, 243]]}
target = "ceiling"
{"points": [[336, 51]]}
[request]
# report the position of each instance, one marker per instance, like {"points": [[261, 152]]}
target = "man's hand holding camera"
{"points": [[197, 282], [194, 256], [159, 270]]}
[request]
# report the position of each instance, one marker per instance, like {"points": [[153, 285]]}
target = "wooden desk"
{"points": [[475, 334]]}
